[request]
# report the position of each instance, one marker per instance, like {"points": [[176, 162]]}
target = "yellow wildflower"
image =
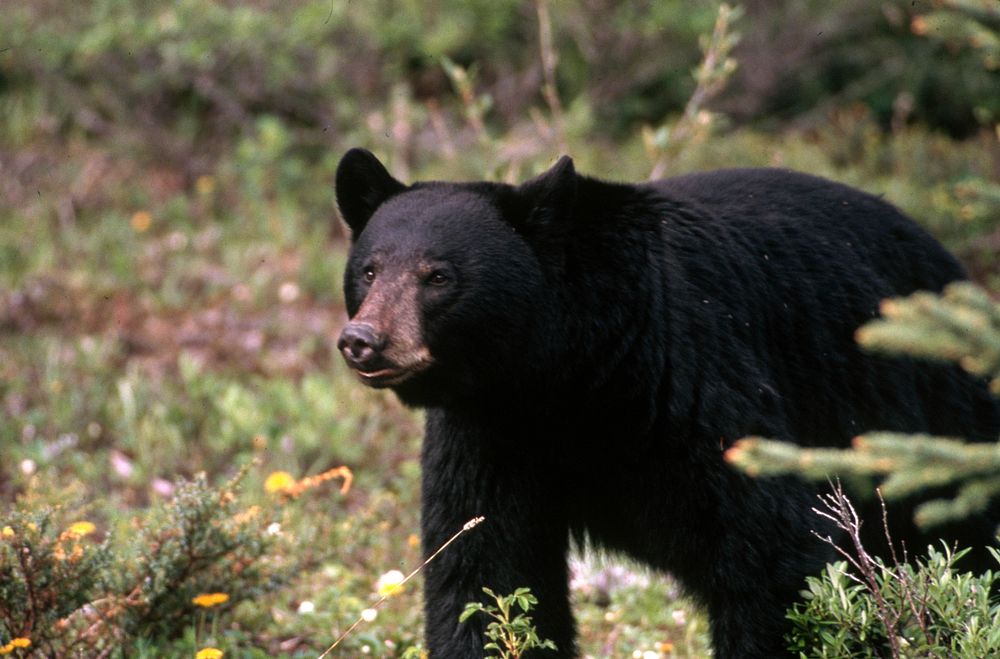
{"points": [[208, 653], [141, 220], [7, 532], [81, 528], [20, 642], [390, 583], [279, 482], [210, 599]]}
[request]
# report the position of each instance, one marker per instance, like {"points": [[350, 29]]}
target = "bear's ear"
{"points": [[363, 184], [548, 199]]}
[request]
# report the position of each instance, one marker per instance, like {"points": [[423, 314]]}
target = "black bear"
{"points": [[587, 351]]}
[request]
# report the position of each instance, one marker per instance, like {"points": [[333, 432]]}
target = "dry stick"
{"points": [[468, 525], [920, 613], [846, 518], [549, 61]]}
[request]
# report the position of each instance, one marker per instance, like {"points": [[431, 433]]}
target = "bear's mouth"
{"points": [[392, 375], [384, 377]]}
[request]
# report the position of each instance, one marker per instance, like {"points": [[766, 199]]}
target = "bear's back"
{"points": [[818, 219], [777, 270]]}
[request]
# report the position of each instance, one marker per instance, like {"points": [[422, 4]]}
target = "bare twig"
{"points": [[842, 513], [919, 612]]}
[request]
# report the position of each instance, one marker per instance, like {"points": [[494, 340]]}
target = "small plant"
{"points": [[509, 637], [863, 607], [68, 593], [46, 578]]}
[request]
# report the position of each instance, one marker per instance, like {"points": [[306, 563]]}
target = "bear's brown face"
{"points": [[384, 340], [423, 279], [444, 285]]}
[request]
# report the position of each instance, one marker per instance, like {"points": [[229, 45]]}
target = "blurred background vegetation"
{"points": [[170, 260]]}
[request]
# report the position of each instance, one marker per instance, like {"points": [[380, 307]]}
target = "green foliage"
{"points": [[509, 634], [865, 607], [889, 59], [961, 325], [45, 576], [952, 617], [67, 593], [972, 24], [910, 462], [711, 76]]}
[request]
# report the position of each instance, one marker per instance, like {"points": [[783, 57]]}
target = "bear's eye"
{"points": [[368, 274], [437, 278]]}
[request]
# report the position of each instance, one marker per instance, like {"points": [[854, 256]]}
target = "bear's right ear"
{"points": [[548, 200], [363, 184]]}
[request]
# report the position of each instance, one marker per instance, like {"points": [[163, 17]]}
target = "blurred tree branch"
{"points": [[961, 325], [984, 12], [712, 74]]}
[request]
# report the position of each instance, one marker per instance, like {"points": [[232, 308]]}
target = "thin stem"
{"points": [[549, 61], [472, 523]]}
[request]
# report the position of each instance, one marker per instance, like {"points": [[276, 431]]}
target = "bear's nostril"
{"points": [[359, 343], [359, 351]]}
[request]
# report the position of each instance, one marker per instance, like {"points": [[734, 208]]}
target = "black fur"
{"points": [[601, 345]]}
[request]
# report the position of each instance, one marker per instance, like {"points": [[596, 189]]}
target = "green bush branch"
{"points": [[68, 594], [509, 635]]}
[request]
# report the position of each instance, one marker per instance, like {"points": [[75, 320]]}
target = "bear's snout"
{"points": [[361, 345]]}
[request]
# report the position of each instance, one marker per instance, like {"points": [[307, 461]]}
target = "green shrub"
{"points": [[509, 634], [145, 581], [864, 607]]}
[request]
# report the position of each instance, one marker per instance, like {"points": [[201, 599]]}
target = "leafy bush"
{"points": [[68, 594], [951, 616], [863, 607]]}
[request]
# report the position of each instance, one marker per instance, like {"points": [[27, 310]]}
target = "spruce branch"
{"points": [[961, 325]]}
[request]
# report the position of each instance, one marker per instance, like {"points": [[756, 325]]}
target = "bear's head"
{"points": [[447, 284]]}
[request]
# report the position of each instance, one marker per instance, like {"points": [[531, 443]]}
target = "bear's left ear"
{"points": [[548, 199], [363, 184]]}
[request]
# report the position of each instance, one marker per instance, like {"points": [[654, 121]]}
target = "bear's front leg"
{"points": [[522, 542], [759, 564]]}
